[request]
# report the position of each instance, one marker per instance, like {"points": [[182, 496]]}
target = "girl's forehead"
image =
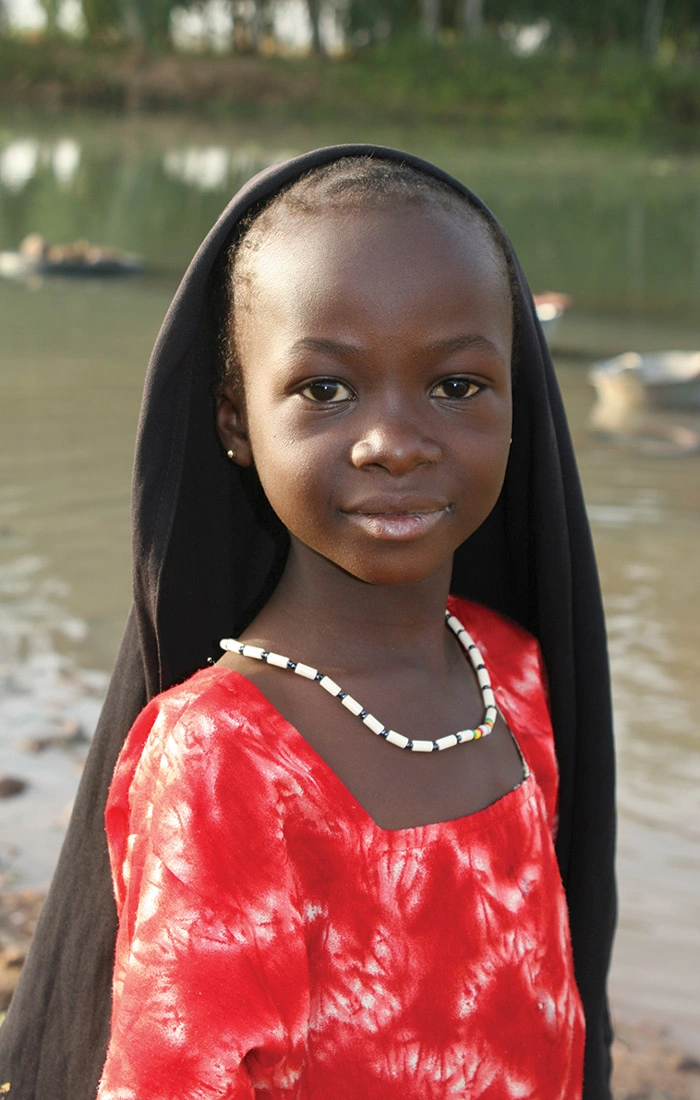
{"points": [[374, 276], [364, 241]]}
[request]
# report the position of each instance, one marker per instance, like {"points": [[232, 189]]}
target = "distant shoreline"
{"points": [[609, 95]]}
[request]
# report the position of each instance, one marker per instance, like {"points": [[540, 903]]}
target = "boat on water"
{"points": [[660, 379], [36, 256], [551, 307], [650, 402]]}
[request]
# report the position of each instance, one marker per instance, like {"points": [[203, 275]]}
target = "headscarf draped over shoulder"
{"points": [[201, 560]]}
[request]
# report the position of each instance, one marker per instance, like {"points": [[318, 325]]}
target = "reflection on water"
{"points": [[215, 167], [21, 159], [619, 231], [645, 515], [73, 363]]}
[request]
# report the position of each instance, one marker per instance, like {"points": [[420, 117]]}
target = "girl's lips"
{"points": [[397, 526]]}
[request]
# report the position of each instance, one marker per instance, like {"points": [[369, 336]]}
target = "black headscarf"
{"points": [[202, 558]]}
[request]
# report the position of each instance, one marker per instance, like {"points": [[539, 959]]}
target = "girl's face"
{"points": [[375, 349]]}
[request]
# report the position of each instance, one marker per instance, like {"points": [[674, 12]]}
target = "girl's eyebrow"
{"points": [[446, 346], [319, 343], [463, 343]]}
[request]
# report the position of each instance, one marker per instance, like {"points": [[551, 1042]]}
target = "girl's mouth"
{"points": [[397, 526]]}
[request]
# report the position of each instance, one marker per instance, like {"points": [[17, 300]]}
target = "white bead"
{"points": [[352, 705], [447, 742], [397, 739], [306, 671], [373, 724], [277, 660], [330, 686]]}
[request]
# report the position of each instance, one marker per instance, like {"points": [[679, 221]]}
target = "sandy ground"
{"points": [[648, 1065]]}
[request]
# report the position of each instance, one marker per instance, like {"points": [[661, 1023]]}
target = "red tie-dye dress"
{"points": [[275, 942]]}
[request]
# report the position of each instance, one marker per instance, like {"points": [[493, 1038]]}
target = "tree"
{"points": [[431, 17], [151, 21], [653, 18], [313, 8], [252, 23], [367, 20], [51, 8], [473, 17], [103, 19]]}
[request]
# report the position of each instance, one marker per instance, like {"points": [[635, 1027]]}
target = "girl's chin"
{"points": [[392, 572], [380, 562]]}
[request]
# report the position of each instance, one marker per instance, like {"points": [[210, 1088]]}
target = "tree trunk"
{"points": [[430, 17], [132, 24], [653, 18], [247, 25], [51, 12], [473, 17], [262, 23], [314, 10]]}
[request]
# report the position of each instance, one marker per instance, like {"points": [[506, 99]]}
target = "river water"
{"points": [[618, 230]]}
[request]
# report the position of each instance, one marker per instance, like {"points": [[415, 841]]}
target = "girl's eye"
{"points": [[455, 388], [327, 391]]}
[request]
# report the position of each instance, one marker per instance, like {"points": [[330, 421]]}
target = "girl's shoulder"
{"points": [[198, 755], [197, 735], [186, 716]]}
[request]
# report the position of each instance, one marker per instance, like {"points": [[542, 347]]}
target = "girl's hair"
{"points": [[350, 183]]}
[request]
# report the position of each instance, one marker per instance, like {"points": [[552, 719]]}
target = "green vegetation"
{"points": [[625, 69], [636, 24], [616, 92]]}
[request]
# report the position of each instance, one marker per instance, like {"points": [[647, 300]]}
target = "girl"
{"points": [[353, 888]]}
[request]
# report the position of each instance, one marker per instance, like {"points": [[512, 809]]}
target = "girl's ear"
{"points": [[231, 425]]}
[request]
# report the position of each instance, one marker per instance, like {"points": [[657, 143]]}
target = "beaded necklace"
{"points": [[372, 723]]}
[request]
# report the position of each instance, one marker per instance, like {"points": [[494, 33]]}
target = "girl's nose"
{"points": [[395, 444]]}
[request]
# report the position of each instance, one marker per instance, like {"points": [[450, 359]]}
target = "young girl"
{"points": [[333, 852]]}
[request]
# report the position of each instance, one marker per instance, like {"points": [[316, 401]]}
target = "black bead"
{"points": [[363, 714], [436, 747], [264, 655], [409, 745], [342, 695], [292, 665], [318, 676], [384, 732]]}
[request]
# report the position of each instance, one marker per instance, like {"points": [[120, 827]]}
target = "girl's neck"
{"points": [[348, 621]]}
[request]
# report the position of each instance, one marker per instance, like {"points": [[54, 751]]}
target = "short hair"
{"points": [[349, 183]]}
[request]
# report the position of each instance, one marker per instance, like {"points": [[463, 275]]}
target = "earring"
{"points": [[232, 454]]}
